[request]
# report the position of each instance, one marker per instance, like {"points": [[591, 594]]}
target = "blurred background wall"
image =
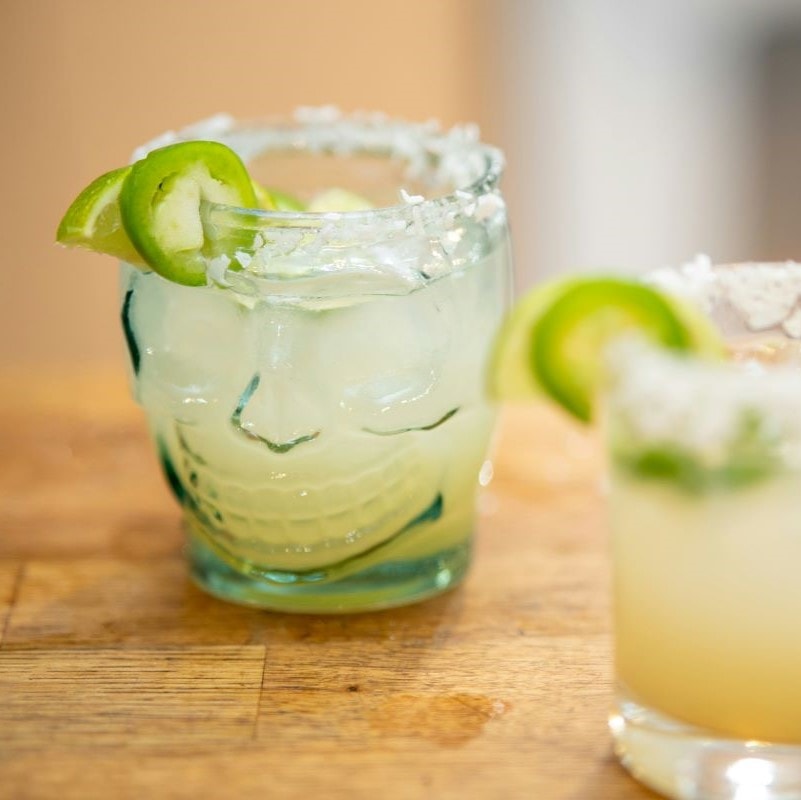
{"points": [[641, 132], [637, 132]]}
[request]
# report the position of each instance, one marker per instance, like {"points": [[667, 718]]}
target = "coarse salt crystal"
{"points": [[243, 258], [488, 205], [411, 199], [764, 294], [317, 114], [217, 268]]}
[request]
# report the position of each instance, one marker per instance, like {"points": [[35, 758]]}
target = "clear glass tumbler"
{"points": [[318, 407], [706, 527]]}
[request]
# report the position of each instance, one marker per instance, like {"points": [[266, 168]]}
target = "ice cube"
{"points": [[193, 343]]}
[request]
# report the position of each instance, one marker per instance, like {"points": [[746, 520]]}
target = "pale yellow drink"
{"points": [[708, 604]]}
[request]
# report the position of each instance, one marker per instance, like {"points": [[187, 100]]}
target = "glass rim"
{"points": [[762, 296], [702, 404], [722, 292], [657, 399], [409, 138], [403, 247]]}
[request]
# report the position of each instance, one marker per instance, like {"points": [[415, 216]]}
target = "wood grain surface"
{"points": [[119, 679]]}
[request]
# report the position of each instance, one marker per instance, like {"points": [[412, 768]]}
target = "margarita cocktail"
{"points": [[697, 375], [706, 527], [311, 360]]}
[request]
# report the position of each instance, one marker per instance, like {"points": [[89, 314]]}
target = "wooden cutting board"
{"points": [[119, 679]]}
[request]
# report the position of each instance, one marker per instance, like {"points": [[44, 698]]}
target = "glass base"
{"points": [[688, 763], [393, 583]]}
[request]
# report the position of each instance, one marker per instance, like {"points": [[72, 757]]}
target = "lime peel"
{"points": [[272, 199], [93, 219]]}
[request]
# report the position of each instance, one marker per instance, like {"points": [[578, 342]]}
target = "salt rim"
{"points": [[701, 406], [748, 297], [462, 160], [434, 231]]}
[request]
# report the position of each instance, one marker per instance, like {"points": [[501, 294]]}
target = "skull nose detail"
{"points": [[276, 414]]}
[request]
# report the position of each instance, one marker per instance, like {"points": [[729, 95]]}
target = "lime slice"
{"points": [[553, 341], [160, 205], [338, 200], [93, 220], [510, 377], [276, 200], [706, 338], [284, 201]]}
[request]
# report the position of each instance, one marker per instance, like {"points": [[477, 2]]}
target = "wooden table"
{"points": [[119, 679]]}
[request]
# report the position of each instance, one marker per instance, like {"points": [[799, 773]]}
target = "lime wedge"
{"points": [[276, 200], [160, 203], [284, 201], [93, 220], [552, 343], [338, 200], [510, 377], [264, 197]]}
